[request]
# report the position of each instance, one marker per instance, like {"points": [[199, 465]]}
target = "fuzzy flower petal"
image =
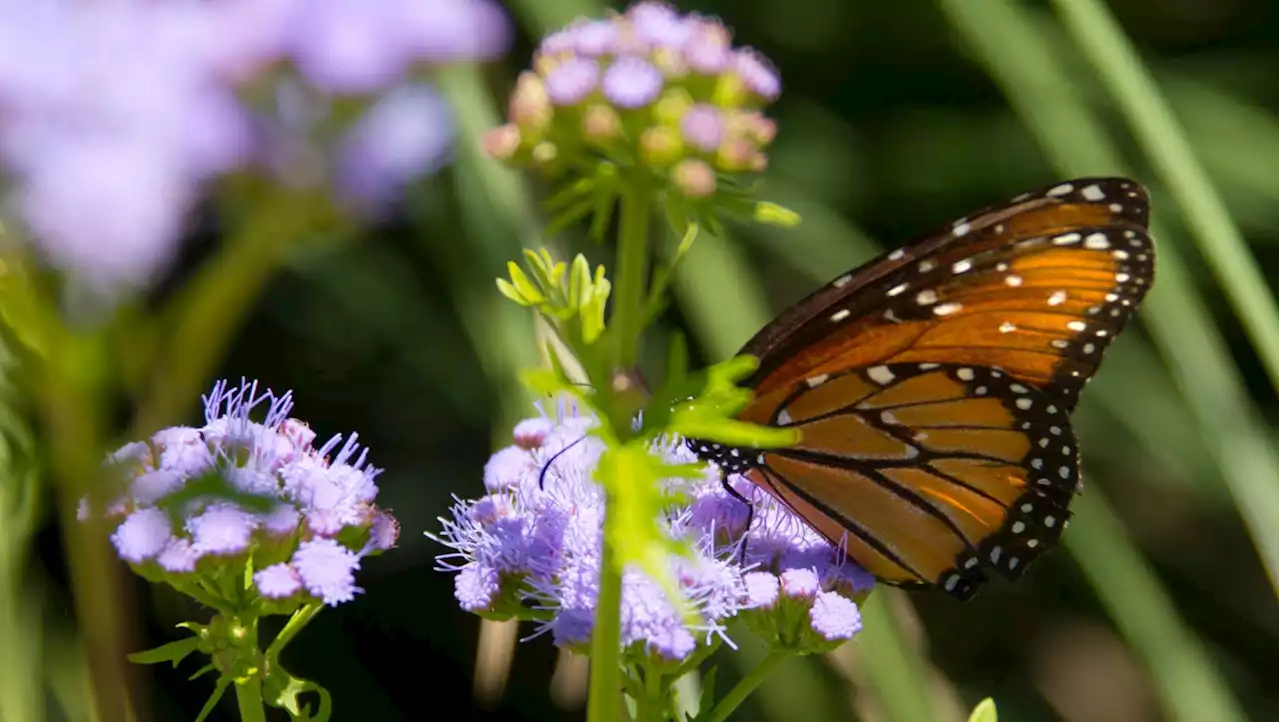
{"points": [[277, 581], [144, 534], [631, 82], [835, 617], [327, 570]]}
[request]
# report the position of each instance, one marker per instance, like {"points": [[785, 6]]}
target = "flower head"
{"points": [[534, 540], [238, 492], [675, 82]]}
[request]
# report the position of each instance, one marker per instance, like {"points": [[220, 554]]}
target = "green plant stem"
{"points": [[205, 317], [633, 261], [1104, 44], [746, 686], [605, 690], [649, 707], [249, 700], [296, 623]]}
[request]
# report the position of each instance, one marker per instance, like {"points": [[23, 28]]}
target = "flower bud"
{"points": [[694, 178], [601, 124], [502, 142], [660, 147]]}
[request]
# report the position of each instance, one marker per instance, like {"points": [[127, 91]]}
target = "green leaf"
{"points": [[984, 712], [172, 652], [772, 214], [523, 286], [212, 702], [281, 689], [510, 292]]}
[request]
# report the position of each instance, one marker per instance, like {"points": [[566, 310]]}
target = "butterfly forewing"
{"points": [[932, 385]]}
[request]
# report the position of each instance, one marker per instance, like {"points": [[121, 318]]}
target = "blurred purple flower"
{"points": [[572, 81], [703, 127], [143, 535], [631, 82], [539, 544], [406, 134]]}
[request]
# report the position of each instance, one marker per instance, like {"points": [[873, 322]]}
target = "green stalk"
{"points": [[633, 261], [605, 690], [746, 686], [295, 624], [1104, 44], [249, 700]]}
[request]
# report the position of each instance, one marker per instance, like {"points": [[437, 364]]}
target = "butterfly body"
{"points": [[932, 386]]}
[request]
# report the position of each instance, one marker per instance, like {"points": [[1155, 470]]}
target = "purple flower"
{"points": [[536, 538], [277, 581], [327, 570], [658, 24], [406, 134], [572, 81], [305, 493], [631, 82], [835, 617], [595, 38], [221, 529], [703, 127], [758, 74], [143, 535]]}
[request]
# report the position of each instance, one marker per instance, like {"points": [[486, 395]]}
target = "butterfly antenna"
{"points": [[751, 514], [542, 476]]}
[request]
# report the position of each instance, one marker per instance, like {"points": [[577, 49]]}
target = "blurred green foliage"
{"points": [[896, 118]]}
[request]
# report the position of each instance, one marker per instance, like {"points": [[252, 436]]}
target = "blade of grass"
{"points": [[1020, 59], [1188, 680], [1105, 45]]}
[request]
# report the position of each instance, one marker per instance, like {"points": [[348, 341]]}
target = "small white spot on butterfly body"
{"points": [[840, 315], [1115, 207], [1018, 527], [928, 366], [1007, 327], [1064, 471], [926, 297], [951, 583], [1055, 430], [784, 418], [1013, 563], [1057, 297], [1050, 521], [1092, 193], [999, 228], [1066, 239], [946, 309], [961, 230], [897, 289], [897, 254], [888, 316], [1026, 508], [981, 390], [1037, 464], [1077, 326], [1023, 403], [1018, 388], [1044, 443], [1089, 348], [961, 266], [816, 381], [1097, 242], [1066, 451], [1033, 543], [1013, 281], [995, 554], [964, 374], [971, 562], [927, 265], [880, 374], [1060, 190], [1052, 409], [1115, 312], [842, 281]]}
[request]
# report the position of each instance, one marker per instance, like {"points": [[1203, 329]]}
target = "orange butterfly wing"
{"points": [[933, 385]]}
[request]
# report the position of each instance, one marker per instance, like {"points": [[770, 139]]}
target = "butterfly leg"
{"points": [[751, 514], [542, 475]]}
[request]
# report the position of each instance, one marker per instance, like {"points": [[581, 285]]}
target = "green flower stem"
{"points": [[649, 707], [633, 260], [204, 318], [604, 693], [296, 623], [249, 700], [746, 686]]}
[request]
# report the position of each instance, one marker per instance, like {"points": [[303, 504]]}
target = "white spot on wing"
{"points": [[961, 266], [1057, 297], [1013, 281], [1007, 327], [880, 374], [842, 281], [964, 374], [1060, 190], [945, 309], [1077, 326], [1066, 239], [840, 315], [816, 381], [961, 230], [1097, 242], [926, 297], [897, 289], [1023, 403], [927, 265], [897, 254], [784, 418], [1093, 193]]}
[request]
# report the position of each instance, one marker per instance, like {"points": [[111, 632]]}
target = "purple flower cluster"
{"points": [[112, 114], [533, 542], [236, 492], [668, 90]]}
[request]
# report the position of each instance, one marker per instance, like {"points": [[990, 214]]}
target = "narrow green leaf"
{"points": [[984, 712], [172, 652], [212, 702]]}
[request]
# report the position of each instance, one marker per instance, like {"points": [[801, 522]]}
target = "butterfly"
{"points": [[933, 385]]}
